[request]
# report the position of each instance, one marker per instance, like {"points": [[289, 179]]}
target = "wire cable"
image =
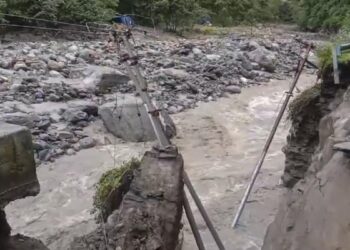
{"points": [[47, 20], [51, 29]]}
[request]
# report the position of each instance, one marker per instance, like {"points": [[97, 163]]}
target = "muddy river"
{"points": [[220, 141]]}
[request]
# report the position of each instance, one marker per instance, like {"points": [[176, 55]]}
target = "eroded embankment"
{"points": [[313, 213]]}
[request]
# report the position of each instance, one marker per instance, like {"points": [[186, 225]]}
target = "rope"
{"points": [[49, 21], [51, 29]]}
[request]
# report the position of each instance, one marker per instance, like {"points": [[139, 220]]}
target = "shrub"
{"points": [[301, 103], [109, 182]]}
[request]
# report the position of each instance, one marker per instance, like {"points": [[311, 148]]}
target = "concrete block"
{"points": [[17, 166]]}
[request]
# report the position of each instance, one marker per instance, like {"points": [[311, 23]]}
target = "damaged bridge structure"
{"points": [[147, 207], [152, 198]]}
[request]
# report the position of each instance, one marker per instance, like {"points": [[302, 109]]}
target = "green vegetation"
{"points": [[110, 181], [173, 15], [301, 103], [329, 15], [177, 13], [64, 10], [170, 14], [325, 57]]}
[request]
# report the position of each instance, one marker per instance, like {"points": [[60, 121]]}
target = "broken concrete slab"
{"points": [[17, 166], [150, 214], [129, 122]]}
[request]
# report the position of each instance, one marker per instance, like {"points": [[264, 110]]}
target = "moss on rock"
{"points": [[301, 103], [109, 183]]}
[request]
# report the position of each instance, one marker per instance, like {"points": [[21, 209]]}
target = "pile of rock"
{"points": [[58, 89]]}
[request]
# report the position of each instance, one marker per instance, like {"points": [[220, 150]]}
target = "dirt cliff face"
{"points": [[314, 214], [305, 113]]}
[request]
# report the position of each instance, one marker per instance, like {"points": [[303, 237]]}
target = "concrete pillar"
{"points": [[17, 166]]}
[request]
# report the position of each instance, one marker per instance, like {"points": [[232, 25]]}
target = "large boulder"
{"points": [[17, 166], [264, 58], [103, 79], [129, 122], [18, 118]]}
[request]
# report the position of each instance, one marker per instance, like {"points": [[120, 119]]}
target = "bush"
{"points": [[299, 105], [109, 182], [64, 10]]}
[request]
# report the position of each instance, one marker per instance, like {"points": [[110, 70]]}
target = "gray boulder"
{"points": [[18, 118], [129, 122], [176, 73], [74, 115], [233, 89], [103, 79], [86, 143], [264, 58]]}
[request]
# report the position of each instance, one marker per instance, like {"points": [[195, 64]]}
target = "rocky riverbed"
{"points": [[60, 90], [73, 95]]}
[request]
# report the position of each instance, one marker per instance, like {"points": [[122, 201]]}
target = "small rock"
{"points": [[87, 142], [44, 124], [6, 63], [87, 54], [244, 80], [54, 73], [40, 145], [45, 155], [57, 66], [59, 151], [55, 118], [76, 147], [197, 51], [70, 151], [75, 116], [73, 49], [64, 135], [176, 73], [44, 137], [20, 66], [253, 45], [53, 98], [233, 89], [213, 57]]}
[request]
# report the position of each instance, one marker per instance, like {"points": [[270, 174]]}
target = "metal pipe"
{"points": [[203, 212], [141, 86], [269, 140], [193, 224]]}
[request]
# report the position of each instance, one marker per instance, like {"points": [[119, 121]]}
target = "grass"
{"points": [[301, 103], [326, 57], [109, 182]]}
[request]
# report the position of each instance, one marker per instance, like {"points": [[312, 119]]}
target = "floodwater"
{"points": [[220, 141]]}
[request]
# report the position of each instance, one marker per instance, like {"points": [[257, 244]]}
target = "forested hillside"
{"points": [[309, 14], [323, 14]]}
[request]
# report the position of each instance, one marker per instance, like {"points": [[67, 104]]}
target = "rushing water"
{"points": [[220, 141]]}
